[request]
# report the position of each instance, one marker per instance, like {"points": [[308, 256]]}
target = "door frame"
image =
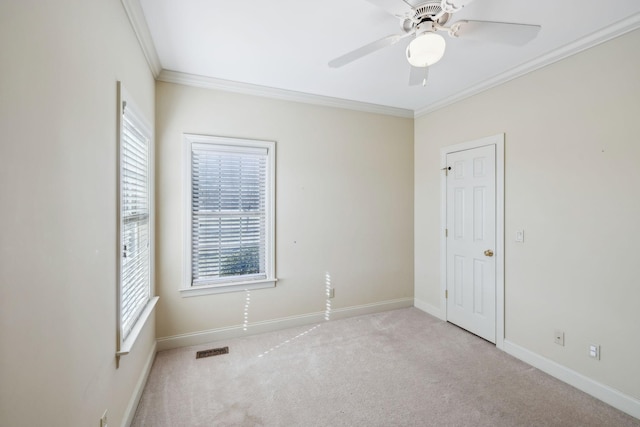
{"points": [[498, 142]]}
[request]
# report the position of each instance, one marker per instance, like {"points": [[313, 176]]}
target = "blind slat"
{"points": [[228, 204], [134, 204]]}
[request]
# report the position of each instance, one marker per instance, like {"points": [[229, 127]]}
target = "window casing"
{"points": [[135, 226], [229, 214]]}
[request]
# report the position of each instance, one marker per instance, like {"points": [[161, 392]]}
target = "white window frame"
{"points": [[187, 288], [126, 105]]}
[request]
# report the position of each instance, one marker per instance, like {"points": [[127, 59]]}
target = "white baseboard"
{"points": [[429, 309], [130, 412], [600, 391], [203, 337]]}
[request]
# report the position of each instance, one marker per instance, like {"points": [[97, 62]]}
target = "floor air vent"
{"points": [[212, 352]]}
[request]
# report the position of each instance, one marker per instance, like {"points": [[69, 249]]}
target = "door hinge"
{"points": [[446, 294], [446, 232]]}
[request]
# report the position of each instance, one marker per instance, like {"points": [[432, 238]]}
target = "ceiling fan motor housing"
{"points": [[426, 12]]}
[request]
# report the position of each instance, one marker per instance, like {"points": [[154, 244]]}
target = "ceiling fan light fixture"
{"points": [[426, 49]]}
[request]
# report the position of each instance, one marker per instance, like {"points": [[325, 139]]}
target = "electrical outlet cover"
{"points": [[559, 337]]}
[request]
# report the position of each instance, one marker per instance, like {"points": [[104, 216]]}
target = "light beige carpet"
{"points": [[398, 368]]}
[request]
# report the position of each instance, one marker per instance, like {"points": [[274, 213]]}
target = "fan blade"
{"points": [[498, 32], [365, 50], [452, 6], [418, 76], [397, 8]]}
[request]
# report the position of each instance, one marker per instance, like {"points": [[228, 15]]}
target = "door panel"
{"points": [[471, 224]]}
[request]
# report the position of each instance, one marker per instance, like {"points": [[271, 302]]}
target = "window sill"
{"points": [[195, 291], [128, 343]]}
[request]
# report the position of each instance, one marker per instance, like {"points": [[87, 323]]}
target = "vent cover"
{"points": [[212, 352]]}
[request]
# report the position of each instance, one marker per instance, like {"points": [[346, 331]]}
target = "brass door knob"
{"points": [[488, 252]]}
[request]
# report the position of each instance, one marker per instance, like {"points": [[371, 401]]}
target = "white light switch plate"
{"points": [[520, 236], [594, 351]]}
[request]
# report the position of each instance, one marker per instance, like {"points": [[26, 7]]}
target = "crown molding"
{"points": [[140, 27], [626, 25], [139, 24], [281, 94]]}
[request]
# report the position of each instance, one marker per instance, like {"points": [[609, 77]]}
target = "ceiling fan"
{"points": [[423, 21]]}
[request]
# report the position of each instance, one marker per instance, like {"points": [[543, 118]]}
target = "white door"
{"points": [[471, 240]]}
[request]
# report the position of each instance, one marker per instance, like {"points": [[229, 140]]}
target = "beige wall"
{"points": [[59, 63], [344, 205], [572, 180]]}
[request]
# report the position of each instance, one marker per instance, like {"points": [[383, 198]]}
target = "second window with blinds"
{"points": [[229, 214]]}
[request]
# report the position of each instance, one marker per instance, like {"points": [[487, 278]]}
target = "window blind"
{"points": [[134, 205], [228, 203]]}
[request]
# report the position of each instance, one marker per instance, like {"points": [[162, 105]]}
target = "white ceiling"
{"points": [[286, 44]]}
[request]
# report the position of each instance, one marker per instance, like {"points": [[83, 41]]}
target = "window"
{"points": [[135, 236], [229, 217]]}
